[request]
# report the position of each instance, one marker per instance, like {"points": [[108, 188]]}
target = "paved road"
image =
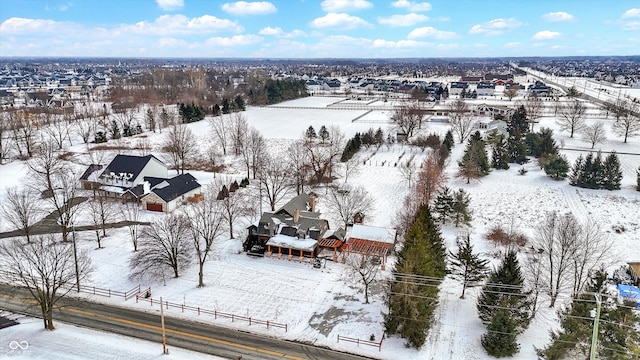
{"points": [[49, 224], [205, 338]]}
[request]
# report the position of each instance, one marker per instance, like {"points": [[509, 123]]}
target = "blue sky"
{"points": [[319, 29]]}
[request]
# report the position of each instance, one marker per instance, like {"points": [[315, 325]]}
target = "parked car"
{"points": [[256, 250]]}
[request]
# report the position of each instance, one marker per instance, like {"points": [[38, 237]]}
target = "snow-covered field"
{"points": [[320, 304]]}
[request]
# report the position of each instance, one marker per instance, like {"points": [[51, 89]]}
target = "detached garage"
{"points": [[166, 196]]}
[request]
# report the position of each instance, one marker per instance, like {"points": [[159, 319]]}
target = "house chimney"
{"points": [[296, 216], [312, 203]]}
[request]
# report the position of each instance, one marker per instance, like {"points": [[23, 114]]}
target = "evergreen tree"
{"points": [[517, 149], [638, 179], [618, 336], [466, 265], [310, 134], [448, 140], [100, 137], [239, 103], [611, 172], [413, 301], [505, 306], [518, 124], [499, 154], [501, 337], [443, 205], [547, 144], [115, 130], [475, 162], [216, 110], [150, 119], [226, 107], [323, 134], [557, 167], [460, 213], [379, 137], [576, 178]]}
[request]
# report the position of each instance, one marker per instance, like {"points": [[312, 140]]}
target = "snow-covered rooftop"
{"points": [[374, 233], [291, 242]]}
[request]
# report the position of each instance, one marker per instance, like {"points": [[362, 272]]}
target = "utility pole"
{"points": [[164, 336], [594, 340], [75, 255]]}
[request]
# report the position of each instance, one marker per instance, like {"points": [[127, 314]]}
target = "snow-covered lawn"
{"points": [[320, 304]]}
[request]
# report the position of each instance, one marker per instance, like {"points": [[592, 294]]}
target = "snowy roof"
{"points": [[113, 189], [291, 242], [373, 233]]}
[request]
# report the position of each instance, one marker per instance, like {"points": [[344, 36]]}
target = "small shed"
{"points": [[370, 240]]}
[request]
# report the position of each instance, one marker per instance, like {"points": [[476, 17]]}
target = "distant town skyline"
{"points": [[318, 29]]}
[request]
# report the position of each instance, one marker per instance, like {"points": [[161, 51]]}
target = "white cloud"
{"points": [[443, 18], [403, 20], [633, 13], [512, 45], [381, 43], [628, 20], [249, 8], [238, 40], [270, 31], [545, 35], [558, 16], [180, 24], [341, 20], [344, 5], [430, 32], [278, 32], [412, 5], [495, 26], [168, 5], [16, 25]]}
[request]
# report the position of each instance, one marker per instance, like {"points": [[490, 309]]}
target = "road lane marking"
{"points": [[158, 328], [196, 336]]}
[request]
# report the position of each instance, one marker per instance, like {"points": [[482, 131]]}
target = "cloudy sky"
{"points": [[319, 29]]}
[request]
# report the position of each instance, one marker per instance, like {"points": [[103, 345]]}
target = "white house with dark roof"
{"points": [[126, 171]]}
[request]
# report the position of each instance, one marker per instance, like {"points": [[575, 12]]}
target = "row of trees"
{"points": [[592, 173]]}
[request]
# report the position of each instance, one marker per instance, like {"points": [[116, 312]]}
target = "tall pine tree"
{"points": [[504, 305], [499, 154], [412, 303], [460, 214], [611, 172], [475, 161], [466, 265]]}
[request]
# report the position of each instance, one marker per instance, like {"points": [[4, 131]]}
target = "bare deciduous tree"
{"points": [[220, 130], [206, 224], [22, 209], [181, 146], [46, 268], [5, 140], [58, 131], [408, 171], [275, 181], [102, 213], [571, 116], [595, 134], [628, 123], [511, 92], [460, 118], [239, 129], [569, 251], [430, 179], [164, 244], [366, 267], [253, 151], [408, 117], [23, 130], [131, 212], [234, 206], [298, 159], [345, 203]]}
